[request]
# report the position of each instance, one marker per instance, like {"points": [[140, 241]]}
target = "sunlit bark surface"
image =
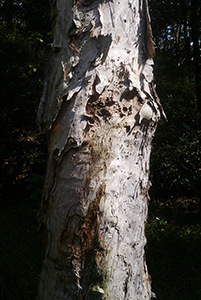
{"points": [[100, 110]]}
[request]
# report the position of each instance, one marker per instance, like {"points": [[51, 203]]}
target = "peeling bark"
{"points": [[100, 111]]}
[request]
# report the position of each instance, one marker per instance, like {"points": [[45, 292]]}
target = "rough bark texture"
{"points": [[100, 110]]}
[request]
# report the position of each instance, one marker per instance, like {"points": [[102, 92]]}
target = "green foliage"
{"points": [[25, 42], [175, 164], [174, 230]]}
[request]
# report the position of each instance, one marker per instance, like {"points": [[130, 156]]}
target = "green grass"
{"points": [[173, 251]]}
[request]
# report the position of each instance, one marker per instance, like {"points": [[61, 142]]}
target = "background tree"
{"points": [[176, 165]]}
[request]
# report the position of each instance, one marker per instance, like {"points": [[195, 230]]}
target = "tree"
{"points": [[177, 34], [100, 111]]}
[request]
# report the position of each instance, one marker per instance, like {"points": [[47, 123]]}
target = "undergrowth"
{"points": [[173, 249]]}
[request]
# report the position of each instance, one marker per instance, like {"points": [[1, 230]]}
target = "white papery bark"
{"points": [[100, 110]]}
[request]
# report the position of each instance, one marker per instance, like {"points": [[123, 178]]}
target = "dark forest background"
{"points": [[174, 223]]}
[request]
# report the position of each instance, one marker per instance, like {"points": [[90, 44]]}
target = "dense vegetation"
{"points": [[176, 164], [174, 226], [25, 39]]}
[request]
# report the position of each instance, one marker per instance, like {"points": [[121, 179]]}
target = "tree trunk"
{"points": [[100, 110]]}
